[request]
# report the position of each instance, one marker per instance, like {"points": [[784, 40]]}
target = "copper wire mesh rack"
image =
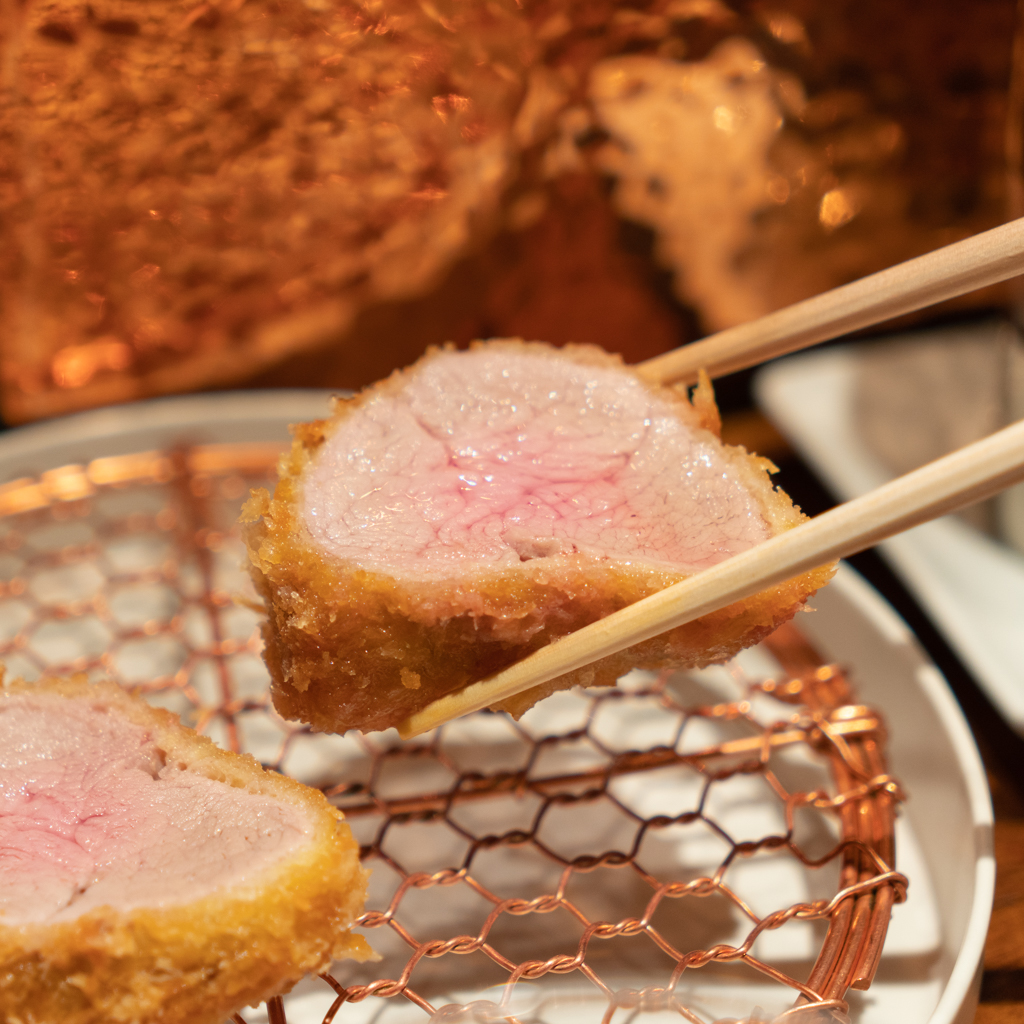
{"points": [[705, 846]]}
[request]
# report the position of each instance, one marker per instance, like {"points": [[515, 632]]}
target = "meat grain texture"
{"points": [[147, 875], [471, 509]]}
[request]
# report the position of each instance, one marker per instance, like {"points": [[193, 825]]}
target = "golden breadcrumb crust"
{"points": [[347, 648], [197, 962]]}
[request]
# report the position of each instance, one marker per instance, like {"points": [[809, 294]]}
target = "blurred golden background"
{"points": [[196, 196]]}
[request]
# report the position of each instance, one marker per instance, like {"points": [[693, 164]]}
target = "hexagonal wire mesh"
{"points": [[649, 850]]}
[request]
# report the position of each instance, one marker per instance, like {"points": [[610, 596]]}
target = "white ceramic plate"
{"points": [[930, 967], [971, 585]]}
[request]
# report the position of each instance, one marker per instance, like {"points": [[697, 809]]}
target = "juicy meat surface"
{"points": [[91, 816], [478, 505], [498, 456]]}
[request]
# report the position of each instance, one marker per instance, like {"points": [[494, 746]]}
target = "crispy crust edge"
{"points": [[201, 961]]}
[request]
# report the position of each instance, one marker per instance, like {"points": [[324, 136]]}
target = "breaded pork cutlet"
{"points": [[190, 191], [146, 875], [448, 521]]}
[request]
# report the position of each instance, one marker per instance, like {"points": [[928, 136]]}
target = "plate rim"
{"points": [[827, 373]]}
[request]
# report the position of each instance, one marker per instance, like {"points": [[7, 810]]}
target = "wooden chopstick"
{"points": [[933, 490], [956, 269], [971, 474]]}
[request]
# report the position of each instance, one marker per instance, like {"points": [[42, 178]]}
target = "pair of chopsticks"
{"points": [[971, 474]]}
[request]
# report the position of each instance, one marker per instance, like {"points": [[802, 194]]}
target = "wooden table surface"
{"points": [[1002, 986]]}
